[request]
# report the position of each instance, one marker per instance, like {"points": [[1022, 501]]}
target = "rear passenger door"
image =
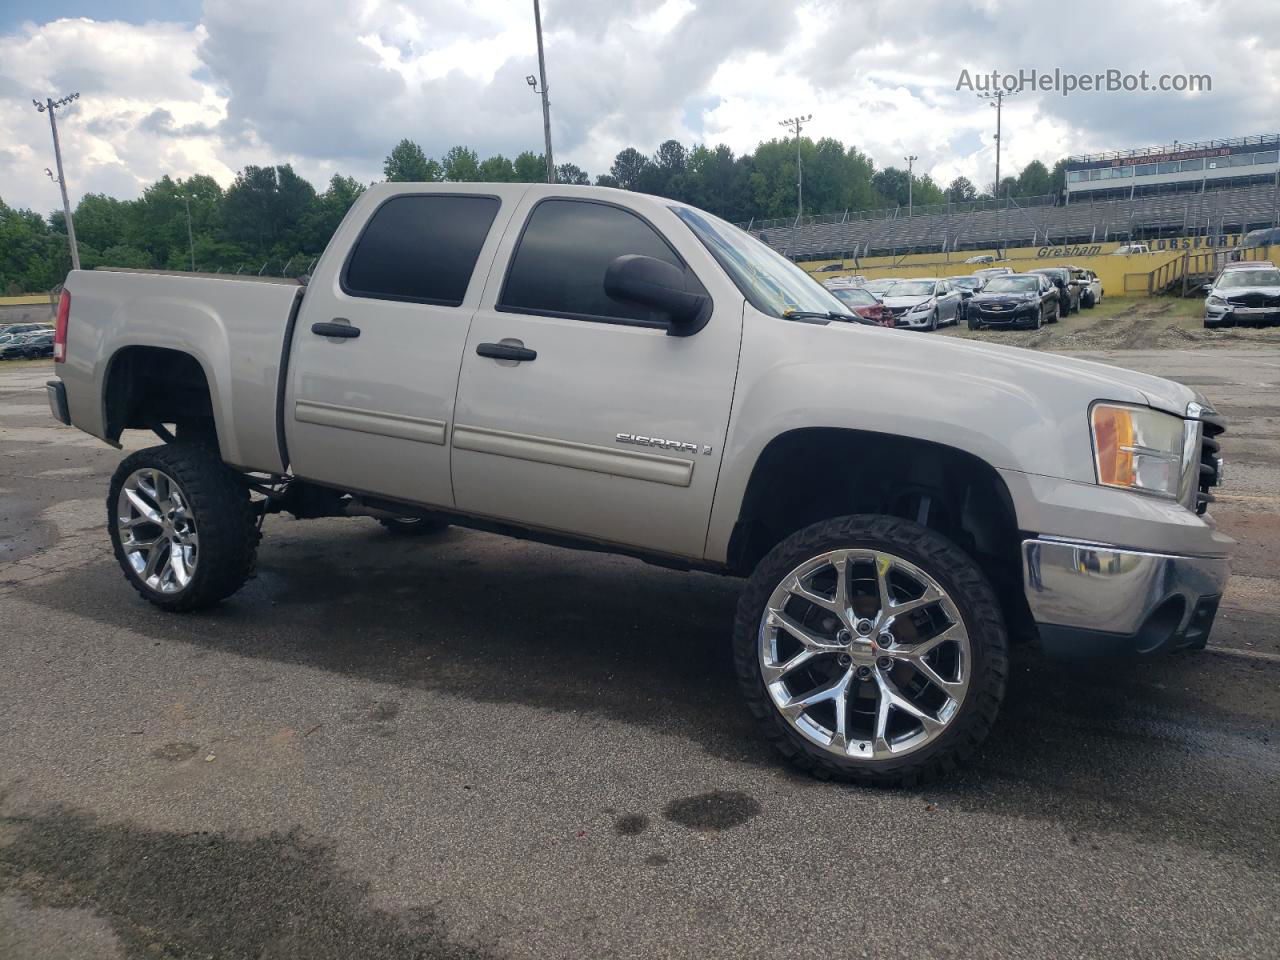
{"points": [[374, 364]]}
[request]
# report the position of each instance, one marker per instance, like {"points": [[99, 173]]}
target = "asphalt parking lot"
{"points": [[466, 746]]}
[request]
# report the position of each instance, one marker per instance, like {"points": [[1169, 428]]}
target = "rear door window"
{"points": [[421, 248]]}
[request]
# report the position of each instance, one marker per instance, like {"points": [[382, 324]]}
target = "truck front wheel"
{"points": [[871, 649], [181, 525]]}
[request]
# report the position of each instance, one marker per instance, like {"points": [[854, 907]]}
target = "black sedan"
{"points": [[1068, 288], [1024, 300]]}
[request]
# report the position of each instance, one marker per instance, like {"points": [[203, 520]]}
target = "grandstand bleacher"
{"points": [[1022, 222]]}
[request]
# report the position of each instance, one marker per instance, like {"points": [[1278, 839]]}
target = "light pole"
{"points": [[546, 104], [49, 106], [191, 244], [797, 123], [997, 101], [910, 160]]}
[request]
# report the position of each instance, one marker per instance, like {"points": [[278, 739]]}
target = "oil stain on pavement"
{"points": [[717, 810], [281, 895]]}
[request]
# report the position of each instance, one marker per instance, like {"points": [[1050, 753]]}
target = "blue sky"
{"points": [[15, 12]]}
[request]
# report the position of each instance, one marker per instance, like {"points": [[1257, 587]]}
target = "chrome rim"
{"points": [[864, 654], [157, 530]]}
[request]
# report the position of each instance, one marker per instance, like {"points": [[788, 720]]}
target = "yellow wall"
{"points": [[25, 300], [1110, 267], [1063, 254]]}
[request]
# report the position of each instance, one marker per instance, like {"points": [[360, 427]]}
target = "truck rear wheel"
{"points": [[181, 525], [871, 649]]}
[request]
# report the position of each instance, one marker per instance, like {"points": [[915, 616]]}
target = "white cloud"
{"points": [[331, 85]]}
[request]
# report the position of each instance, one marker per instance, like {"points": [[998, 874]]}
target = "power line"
{"points": [[50, 106], [797, 123]]}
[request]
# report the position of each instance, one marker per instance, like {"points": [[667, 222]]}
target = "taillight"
{"points": [[60, 329]]}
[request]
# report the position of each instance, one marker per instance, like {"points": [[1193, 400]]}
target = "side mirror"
{"points": [[654, 283]]}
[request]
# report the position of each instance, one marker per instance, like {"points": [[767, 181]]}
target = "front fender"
{"points": [[1012, 409]]}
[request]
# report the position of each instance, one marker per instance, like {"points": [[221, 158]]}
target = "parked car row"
{"points": [[26, 345], [994, 297]]}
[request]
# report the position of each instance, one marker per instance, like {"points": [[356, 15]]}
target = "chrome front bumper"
{"points": [[1089, 599]]}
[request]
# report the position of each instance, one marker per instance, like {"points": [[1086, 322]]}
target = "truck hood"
{"points": [[900, 302], [1034, 371], [1224, 292]]}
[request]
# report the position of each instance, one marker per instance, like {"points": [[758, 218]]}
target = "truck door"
{"points": [[374, 361], [593, 420]]}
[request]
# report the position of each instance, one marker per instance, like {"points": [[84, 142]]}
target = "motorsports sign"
{"points": [[1168, 243]]}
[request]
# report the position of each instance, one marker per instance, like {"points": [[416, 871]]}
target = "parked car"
{"points": [[981, 258], [1089, 284], [1244, 295], [989, 272], [878, 287], [864, 303], [966, 287], [15, 349], [1128, 249], [1068, 288], [1025, 300], [923, 304], [831, 268], [626, 373], [1248, 265], [849, 280], [1268, 236], [17, 328], [39, 345]]}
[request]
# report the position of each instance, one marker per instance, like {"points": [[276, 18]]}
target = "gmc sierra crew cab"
{"points": [[620, 372]]}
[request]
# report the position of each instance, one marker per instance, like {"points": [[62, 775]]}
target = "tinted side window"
{"points": [[421, 248], [559, 265]]}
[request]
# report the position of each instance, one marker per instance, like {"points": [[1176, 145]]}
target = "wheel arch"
{"points": [[810, 474], [144, 386]]}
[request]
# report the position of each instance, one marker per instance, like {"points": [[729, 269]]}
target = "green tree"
{"points": [[531, 167], [101, 221], [461, 165], [407, 163], [264, 210], [961, 190], [571, 173], [1034, 180], [497, 169], [628, 168]]}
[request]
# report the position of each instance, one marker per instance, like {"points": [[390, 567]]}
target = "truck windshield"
{"points": [[772, 283]]}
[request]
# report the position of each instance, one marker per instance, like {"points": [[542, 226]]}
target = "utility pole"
{"points": [[797, 123], [546, 104], [997, 101], [49, 106], [191, 244], [910, 160]]}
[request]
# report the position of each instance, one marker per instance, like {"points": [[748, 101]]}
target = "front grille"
{"points": [[1210, 458], [1255, 300]]}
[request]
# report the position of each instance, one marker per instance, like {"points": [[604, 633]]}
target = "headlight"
{"points": [[921, 307], [1215, 302], [1138, 448]]}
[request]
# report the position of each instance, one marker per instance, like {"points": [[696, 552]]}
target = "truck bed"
{"points": [[234, 326]]}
